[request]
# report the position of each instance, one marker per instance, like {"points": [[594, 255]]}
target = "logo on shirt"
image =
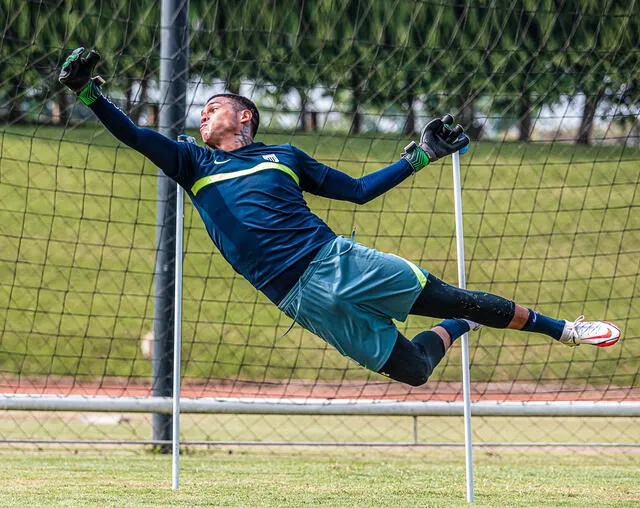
{"points": [[221, 162], [271, 157]]}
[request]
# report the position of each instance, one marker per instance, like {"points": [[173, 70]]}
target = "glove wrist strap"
{"points": [[415, 156], [90, 93]]}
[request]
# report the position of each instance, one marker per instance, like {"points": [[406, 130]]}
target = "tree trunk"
{"points": [[410, 123], [55, 113], [139, 108], [62, 102], [524, 118], [588, 114], [128, 108], [356, 116], [15, 108], [233, 85], [302, 119], [356, 119], [152, 114], [314, 121], [468, 118]]}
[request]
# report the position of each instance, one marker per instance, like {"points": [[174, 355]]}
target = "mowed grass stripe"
{"points": [[327, 477]]}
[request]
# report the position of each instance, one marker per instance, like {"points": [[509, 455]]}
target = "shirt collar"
{"points": [[247, 147]]}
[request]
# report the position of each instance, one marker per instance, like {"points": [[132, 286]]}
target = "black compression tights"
{"points": [[413, 361], [441, 300]]}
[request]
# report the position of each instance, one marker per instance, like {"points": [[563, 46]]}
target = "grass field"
{"points": [[314, 477]]}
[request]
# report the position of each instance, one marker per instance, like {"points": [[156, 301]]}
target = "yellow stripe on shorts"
{"points": [[422, 278]]}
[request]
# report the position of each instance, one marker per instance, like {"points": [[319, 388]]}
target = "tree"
{"points": [[290, 57], [402, 62], [128, 35], [527, 81], [17, 50], [467, 38], [349, 54], [593, 49], [221, 41]]}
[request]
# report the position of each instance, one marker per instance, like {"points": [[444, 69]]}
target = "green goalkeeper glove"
{"points": [[76, 73], [437, 140]]}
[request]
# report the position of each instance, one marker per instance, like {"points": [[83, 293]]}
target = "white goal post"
{"points": [[306, 406]]}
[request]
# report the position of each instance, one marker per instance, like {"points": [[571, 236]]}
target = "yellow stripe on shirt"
{"points": [[221, 177]]}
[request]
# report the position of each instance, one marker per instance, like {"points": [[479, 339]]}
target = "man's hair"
{"points": [[244, 103]]}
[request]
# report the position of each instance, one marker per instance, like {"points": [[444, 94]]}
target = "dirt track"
{"points": [[379, 390]]}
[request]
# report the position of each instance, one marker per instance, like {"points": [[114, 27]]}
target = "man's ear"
{"points": [[246, 116]]}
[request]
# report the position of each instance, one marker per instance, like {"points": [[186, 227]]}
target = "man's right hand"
{"points": [[76, 74]]}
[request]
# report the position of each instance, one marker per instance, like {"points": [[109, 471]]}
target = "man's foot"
{"points": [[473, 326], [596, 333]]}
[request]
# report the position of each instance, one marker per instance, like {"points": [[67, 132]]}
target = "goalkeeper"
{"points": [[249, 196]]}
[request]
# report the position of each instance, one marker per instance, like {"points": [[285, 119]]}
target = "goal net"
{"points": [[550, 208]]}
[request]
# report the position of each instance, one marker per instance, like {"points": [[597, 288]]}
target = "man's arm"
{"points": [[437, 140], [335, 184], [172, 157]]}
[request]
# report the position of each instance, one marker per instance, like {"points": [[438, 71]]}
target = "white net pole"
{"points": [[177, 339], [462, 282]]}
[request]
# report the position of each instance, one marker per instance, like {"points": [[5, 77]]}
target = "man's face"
{"points": [[218, 119]]}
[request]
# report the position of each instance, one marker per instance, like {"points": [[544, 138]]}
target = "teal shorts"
{"points": [[349, 295]]}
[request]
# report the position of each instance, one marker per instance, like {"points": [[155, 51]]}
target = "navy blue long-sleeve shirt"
{"points": [[250, 199]]}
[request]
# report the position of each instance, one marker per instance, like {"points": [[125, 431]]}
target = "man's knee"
{"points": [[419, 379], [410, 362], [412, 377]]}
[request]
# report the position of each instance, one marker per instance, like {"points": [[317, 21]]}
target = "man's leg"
{"points": [[413, 361], [439, 299]]}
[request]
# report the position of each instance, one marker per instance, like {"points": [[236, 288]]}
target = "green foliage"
{"points": [[39, 36]]}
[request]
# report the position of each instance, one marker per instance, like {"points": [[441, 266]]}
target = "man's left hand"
{"points": [[438, 139]]}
